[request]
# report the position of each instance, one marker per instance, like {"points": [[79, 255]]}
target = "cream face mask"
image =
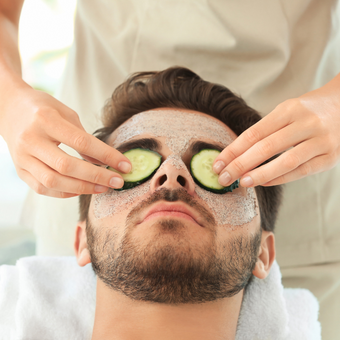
{"points": [[178, 128]]}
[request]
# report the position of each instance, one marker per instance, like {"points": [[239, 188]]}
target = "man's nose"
{"points": [[173, 177]]}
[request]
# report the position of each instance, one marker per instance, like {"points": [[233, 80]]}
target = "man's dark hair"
{"points": [[178, 87]]}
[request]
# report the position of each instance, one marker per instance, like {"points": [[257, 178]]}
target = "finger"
{"points": [[283, 164], [74, 167], [39, 188], [262, 151], [265, 127], [92, 160], [52, 180], [76, 121], [311, 167], [86, 144]]}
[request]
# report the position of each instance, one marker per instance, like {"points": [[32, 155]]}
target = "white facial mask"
{"points": [[178, 128]]}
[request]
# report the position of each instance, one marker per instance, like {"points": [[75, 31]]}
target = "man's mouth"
{"points": [[178, 210]]}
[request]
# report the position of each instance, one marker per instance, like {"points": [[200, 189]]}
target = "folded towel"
{"points": [[47, 298], [271, 312], [52, 298]]}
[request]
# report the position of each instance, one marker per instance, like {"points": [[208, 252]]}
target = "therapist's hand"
{"points": [[33, 124], [306, 128]]}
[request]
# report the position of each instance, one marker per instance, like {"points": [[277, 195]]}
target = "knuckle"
{"points": [[253, 135], [332, 143], [40, 113], [21, 175], [239, 167], [97, 178], [81, 189], [81, 143], [313, 123], [48, 180], [291, 107], [39, 189], [305, 169], [291, 104], [25, 139], [65, 195], [225, 154], [333, 160], [287, 106], [62, 165], [265, 148], [279, 180], [43, 115], [315, 120], [291, 161], [74, 115], [107, 157]]}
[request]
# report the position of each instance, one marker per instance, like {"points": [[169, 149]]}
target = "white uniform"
{"points": [[267, 51]]}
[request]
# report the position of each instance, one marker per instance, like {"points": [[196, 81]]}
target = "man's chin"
{"points": [[174, 264]]}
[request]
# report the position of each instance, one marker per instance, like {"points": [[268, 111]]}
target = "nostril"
{"points": [[181, 180], [162, 180]]}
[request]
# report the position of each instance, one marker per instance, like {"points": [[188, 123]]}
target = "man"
{"points": [[173, 260], [167, 260], [166, 246]]}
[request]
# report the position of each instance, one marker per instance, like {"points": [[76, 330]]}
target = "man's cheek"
{"points": [[113, 202], [230, 209]]}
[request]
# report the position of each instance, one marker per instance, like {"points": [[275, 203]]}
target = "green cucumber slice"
{"points": [[144, 164], [203, 174]]}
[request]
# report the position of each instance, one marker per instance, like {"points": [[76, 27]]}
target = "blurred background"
{"points": [[46, 33]]}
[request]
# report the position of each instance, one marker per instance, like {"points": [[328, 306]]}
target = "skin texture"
{"points": [[167, 244], [33, 124], [306, 128], [183, 140]]}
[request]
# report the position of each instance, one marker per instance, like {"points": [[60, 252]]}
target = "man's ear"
{"points": [[80, 245], [266, 255]]}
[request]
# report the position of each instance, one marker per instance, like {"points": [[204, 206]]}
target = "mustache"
{"points": [[176, 195]]}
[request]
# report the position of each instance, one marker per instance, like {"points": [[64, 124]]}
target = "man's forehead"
{"points": [[175, 124]]}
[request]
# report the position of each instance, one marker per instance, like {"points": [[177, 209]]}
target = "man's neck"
{"points": [[121, 318]]}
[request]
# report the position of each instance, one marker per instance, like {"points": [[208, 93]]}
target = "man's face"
{"points": [[168, 240]]}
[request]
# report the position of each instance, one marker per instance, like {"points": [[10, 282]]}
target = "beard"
{"points": [[173, 272]]}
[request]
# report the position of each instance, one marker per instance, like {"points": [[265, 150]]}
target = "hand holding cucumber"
{"points": [[33, 124], [306, 128]]}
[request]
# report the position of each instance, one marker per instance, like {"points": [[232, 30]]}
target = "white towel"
{"points": [[271, 312], [52, 298], [47, 298]]}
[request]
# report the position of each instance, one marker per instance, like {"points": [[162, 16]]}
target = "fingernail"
{"points": [[218, 166], [124, 167], [224, 179], [247, 181], [116, 182], [100, 188]]}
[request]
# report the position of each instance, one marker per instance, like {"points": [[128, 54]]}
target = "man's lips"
{"points": [[171, 210]]}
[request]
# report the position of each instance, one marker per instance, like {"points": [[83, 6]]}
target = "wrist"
{"points": [[11, 84]]}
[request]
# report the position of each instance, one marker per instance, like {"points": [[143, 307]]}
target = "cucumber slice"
{"points": [[203, 174], [144, 164]]}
